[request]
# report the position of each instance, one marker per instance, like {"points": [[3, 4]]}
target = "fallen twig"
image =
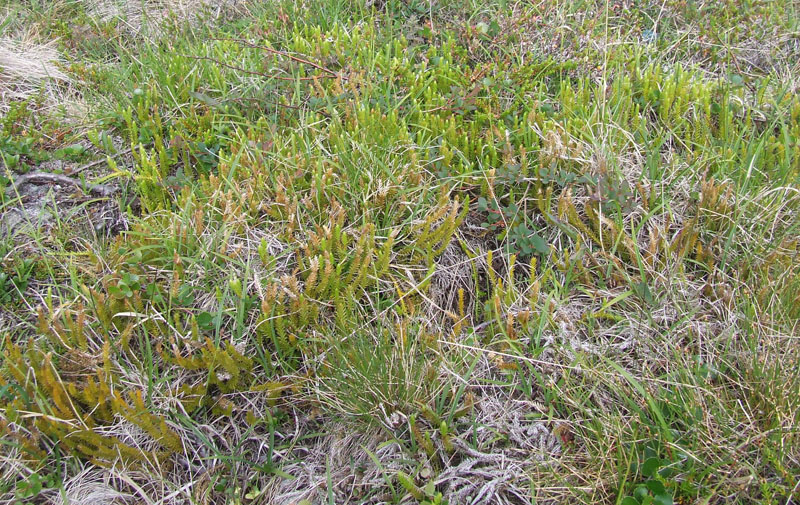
{"points": [[278, 104], [284, 54], [253, 72], [100, 162], [48, 178]]}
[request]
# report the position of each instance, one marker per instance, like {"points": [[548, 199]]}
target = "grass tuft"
{"points": [[399, 252]]}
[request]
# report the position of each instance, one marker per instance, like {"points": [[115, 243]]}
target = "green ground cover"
{"points": [[399, 252]]}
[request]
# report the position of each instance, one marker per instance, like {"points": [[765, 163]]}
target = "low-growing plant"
{"points": [[654, 490], [14, 280], [398, 228]]}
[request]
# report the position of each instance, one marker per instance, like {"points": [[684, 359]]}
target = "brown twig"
{"points": [[278, 104], [100, 161], [48, 178], [282, 53], [253, 72]]}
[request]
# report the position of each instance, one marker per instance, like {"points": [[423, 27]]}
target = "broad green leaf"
{"points": [[655, 486], [540, 244], [663, 499], [640, 492], [650, 467]]}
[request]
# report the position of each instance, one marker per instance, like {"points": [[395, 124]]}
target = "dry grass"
{"points": [[150, 17], [28, 69], [486, 383]]}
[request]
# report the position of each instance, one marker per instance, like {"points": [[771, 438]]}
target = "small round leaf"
{"points": [[656, 487], [650, 467], [663, 499]]}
